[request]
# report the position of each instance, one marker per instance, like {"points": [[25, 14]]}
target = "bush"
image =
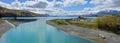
{"points": [[109, 23]]}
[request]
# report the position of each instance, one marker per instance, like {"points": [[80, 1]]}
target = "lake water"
{"points": [[40, 32]]}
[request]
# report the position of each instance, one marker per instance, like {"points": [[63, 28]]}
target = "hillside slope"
{"points": [[4, 12]]}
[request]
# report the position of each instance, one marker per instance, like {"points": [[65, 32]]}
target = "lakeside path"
{"points": [[88, 33]]}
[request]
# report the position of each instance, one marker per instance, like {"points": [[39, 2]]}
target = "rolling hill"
{"points": [[4, 12]]}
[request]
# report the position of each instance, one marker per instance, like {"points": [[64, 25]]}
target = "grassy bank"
{"points": [[60, 22], [110, 23], [83, 24]]}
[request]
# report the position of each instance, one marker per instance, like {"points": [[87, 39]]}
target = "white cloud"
{"points": [[29, 3], [74, 2], [106, 4], [55, 3], [39, 5], [102, 5], [4, 4], [101, 2], [58, 4], [55, 7]]}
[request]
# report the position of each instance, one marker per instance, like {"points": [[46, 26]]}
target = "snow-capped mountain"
{"points": [[104, 12]]}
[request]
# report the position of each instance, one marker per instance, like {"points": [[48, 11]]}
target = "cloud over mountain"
{"points": [[56, 7]]}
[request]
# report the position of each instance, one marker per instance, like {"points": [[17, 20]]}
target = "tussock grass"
{"points": [[60, 22]]}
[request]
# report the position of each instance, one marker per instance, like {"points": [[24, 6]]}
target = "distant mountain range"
{"points": [[101, 13], [4, 12]]}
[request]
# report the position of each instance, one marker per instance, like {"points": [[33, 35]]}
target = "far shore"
{"points": [[6, 26], [88, 33]]}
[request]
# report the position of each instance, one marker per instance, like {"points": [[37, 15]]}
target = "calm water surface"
{"points": [[40, 32]]}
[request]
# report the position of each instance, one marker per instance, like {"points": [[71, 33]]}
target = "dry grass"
{"points": [[60, 22]]}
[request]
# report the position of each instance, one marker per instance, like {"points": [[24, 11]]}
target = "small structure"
{"points": [[80, 18]]}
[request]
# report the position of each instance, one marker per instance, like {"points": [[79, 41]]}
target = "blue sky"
{"points": [[70, 8], [66, 6], [9, 1], [79, 7]]}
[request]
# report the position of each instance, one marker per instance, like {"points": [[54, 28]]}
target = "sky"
{"points": [[63, 7]]}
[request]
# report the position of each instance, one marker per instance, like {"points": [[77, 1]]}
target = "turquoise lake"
{"points": [[40, 32]]}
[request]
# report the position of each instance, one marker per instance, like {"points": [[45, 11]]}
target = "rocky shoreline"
{"points": [[88, 33], [4, 27]]}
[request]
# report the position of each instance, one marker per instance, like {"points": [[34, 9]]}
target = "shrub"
{"points": [[109, 23]]}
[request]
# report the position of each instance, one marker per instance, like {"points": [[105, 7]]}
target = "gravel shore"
{"points": [[88, 33], [4, 27]]}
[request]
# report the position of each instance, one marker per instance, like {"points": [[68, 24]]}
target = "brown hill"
{"points": [[4, 12]]}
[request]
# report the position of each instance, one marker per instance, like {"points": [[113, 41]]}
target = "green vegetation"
{"points": [[109, 23], [84, 24], [60, 22], [1, 21]]}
